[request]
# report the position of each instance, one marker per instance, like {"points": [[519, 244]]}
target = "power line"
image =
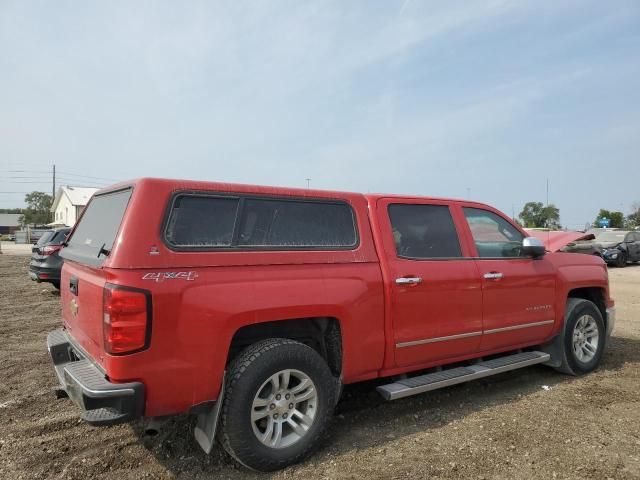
{"points": [[30, 176], [37, 182], [43, 181], [69, 174], [88, 176]]}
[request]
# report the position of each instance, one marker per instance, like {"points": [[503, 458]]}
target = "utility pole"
{"points": [[308, 182], [53, 190], [547, 192]]}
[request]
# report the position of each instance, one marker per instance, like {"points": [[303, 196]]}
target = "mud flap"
{"points": [[205, 430], [555, 348]]}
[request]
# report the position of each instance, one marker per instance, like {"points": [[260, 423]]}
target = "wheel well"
{"points": [[593, 294], [320, 333]]}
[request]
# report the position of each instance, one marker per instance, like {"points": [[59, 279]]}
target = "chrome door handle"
{"points": [[493, 276], [408, 280]]}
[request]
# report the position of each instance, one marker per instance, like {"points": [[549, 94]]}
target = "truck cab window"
{"points": [[493, 235], [424, 231]]}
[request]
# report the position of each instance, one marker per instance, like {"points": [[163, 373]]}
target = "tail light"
{"points": [[51, 249], [126, 319]]}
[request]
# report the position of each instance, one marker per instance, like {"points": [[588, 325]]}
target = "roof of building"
{"points": [[78, 196], [10, 219]]}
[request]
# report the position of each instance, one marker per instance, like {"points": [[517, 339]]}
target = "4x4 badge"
{"points": [[162, 276]]}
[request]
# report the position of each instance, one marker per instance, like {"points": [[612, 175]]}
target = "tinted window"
{"points": [[424, 231], [98, 227], [280, 223], [202, 221], [493, 235], [208, 221]]}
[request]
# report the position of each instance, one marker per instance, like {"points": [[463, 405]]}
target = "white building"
{"points": [[69, 203]]}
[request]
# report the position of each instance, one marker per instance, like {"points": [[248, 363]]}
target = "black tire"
{"points": [[621, 261], [56, 285], [246, 374], [571, 364]]}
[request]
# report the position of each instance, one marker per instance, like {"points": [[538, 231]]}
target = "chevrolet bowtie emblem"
{"points": [[74, 307]]}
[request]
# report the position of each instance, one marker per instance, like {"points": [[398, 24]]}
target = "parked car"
{"points": [[619, 246], [251, 306], [46, 263], [567, 241]]}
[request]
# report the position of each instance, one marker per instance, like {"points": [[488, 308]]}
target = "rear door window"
{"points": [[424, 231], [93, 238]]}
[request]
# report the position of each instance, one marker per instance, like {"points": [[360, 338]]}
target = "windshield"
{"points": [[615, 236], [93, 238]]}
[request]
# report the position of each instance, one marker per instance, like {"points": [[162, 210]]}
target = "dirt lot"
{"points": [[529, 424]]}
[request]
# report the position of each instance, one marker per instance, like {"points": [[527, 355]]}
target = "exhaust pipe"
{"points": [[153, 426]]}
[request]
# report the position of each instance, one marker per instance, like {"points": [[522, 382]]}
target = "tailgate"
{"points": [[81, 291], [83, 277]]}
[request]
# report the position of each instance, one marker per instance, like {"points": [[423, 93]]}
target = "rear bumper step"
{"points": [[102, 402], [454, 376]]}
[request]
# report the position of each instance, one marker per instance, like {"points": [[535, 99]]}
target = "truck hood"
{"points": [[554, 241]]}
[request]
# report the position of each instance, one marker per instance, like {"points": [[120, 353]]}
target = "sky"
{"points": [[480, 99]]}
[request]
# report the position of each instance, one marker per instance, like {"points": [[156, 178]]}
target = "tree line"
{"points": [[538, 215]]}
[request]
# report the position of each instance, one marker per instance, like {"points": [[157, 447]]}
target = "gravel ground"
{"points": [[533, 423]]}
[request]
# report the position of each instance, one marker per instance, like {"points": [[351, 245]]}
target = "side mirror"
{"points": [[533, 247]]}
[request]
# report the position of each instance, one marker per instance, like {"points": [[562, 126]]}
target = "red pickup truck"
{"points": [[251, 306]]}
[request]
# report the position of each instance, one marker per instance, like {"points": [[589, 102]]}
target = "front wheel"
{"points": [[584, 337], [279, 396], [621, 260]]}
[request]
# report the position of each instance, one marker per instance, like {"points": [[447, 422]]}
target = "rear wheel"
{"points": [[584, 337], [279, 396]]}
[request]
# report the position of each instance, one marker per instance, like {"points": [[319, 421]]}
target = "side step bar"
{"points": [[453, 376]]}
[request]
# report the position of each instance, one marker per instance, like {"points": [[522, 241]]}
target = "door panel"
{"points": [[518, 292], [517, 307], [436, 296]]}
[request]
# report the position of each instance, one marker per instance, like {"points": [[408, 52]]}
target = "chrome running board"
{"points": [[453, 376]]}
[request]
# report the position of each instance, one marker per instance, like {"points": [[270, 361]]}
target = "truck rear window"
{"points": [[93, 238], [206, 221]]}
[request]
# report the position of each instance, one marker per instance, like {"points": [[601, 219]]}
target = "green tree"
{"points": [[616, 219], [536, 215], [38, 208], [633, 220]]}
